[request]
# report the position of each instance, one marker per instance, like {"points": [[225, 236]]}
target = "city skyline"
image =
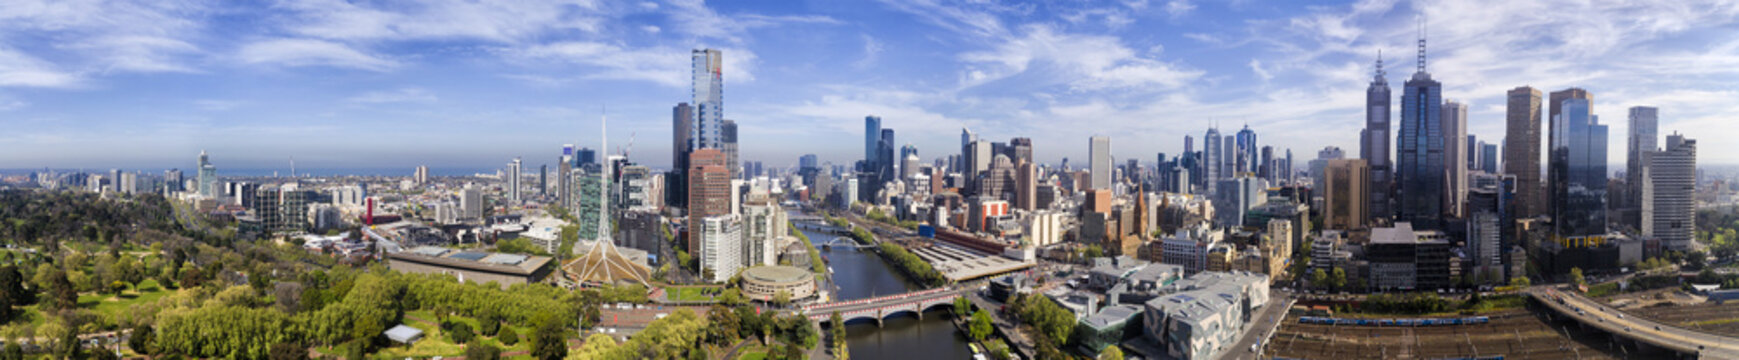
{"points": [[452, 85]]}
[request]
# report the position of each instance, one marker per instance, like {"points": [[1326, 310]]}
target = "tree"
{"points": [[838, 330], [507, 336], [140, 339], [460, 333], [732, 297], [724, 324], [358, 350], [287, 351], [1111, 352], [981, 326], [13, 351], [1576, 277], [1318, 279], [489, 323], [191, 277], [65, 296], [1521, 281], [1337, 278], [961, 306], [1093, 251], [117, 287], [548, 340], [782, 298], [479, 351]]}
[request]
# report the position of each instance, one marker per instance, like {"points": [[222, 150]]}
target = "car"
{"points": [[1621, 316], [1627, 329], [1657, 328]]}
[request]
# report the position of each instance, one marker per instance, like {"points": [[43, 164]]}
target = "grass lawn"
{"points": [[432, 334], [111, 305], [689, 293], [756, 355], [1602, 290]]}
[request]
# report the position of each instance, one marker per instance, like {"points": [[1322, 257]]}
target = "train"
{"points": [[1473, 320]]}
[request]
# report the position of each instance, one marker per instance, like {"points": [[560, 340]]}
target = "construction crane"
{"points": [[630, 146]]}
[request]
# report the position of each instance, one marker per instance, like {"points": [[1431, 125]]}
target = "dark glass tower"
{"points": [[1419, 170], [1576, 176], [1374, 143]]}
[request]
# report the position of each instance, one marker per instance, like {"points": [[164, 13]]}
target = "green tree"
{"points": [[65, 296], [1111, 352], [724, 324], [460, 333], [781, 298], [1576, 277], [981, 326], [1093, 251], [548, 339], [507, 336], [13, 351], [140, 339], [961, 305], [1318, 279], [286, 351], [1521, 281], [837, 327], [480, 351], [489, 323], [1337, 278]]}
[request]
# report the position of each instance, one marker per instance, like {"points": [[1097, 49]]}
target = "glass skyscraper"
{"points": [[1577, 170], [1211, 159], [1419, 159], [1374, 143], [708, 104]]}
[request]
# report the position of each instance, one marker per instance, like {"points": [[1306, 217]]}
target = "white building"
{"points": [[1669, 203], [1188, 247], [1045, 227], [721, 248], [765, 226], [1202, 315]]}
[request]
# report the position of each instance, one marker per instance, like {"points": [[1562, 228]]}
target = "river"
{"points": [[863, 274]]}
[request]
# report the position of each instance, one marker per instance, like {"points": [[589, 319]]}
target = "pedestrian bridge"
{"points": [[882, 308]]}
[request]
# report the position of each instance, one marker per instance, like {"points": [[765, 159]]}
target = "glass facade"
{"points": [[1577, 172], [1420, 157]]}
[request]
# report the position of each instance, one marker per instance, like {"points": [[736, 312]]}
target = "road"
{"points": [[1262, 328], [1614, 321]]}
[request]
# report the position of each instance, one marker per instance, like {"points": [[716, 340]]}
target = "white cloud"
{"points": [[20, 70], [661, 65], [1083, 62], [309, 52], [497, 21], [110, 36], [1256, 67], [872, 51], [401, 95], [694, 18], [1179, 8]]}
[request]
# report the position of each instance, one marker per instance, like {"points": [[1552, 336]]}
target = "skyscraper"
{"points": [[1671, 191], [709, 89], [728, 145], [513, 171], [1210, 162], [709, 192], [1100, 149], [1248, 153], [471, 201], [681, 124], [1576, 177], [1374, 143], [1022, 148], [207, 176], [1455, 157], [1488, 158], [421, 175], [872, 137], [1344, 193], [1644, 135], [1419, 156], [1522, 150]]}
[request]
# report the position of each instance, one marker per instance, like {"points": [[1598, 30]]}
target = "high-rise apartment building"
{"points": [[1100, 149], [1419, 157], [708, 102], [1577, 169], [1344, 191], [709, 191], [1455, 157], [207, 176], [513, 172], [1642, 141], [422, 175], [1374, 143], [1522, 150], [1670, 193], [720, 245], [471, 202]]}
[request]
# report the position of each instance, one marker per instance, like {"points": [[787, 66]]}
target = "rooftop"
{"points": [[775, 274], [474, 260]]}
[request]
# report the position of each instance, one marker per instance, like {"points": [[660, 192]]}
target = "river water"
{"points": [[863, 274]]}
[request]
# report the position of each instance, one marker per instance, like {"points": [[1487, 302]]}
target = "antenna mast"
{"points": [[1421, 42]]}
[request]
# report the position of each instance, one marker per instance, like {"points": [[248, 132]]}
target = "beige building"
{"points": [[472, 266], [765, 282], [1345, 201]]}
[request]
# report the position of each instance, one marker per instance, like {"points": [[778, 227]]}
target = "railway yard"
{"points": [[1720, 319], [1512, 334]]}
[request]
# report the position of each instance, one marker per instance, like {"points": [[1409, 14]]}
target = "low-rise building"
{"points": [[764, 283], [1203, 314], [472, 266]]}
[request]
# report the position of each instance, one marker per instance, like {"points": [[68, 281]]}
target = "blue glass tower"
{"points": [[1577, 170], [1419, 160]]}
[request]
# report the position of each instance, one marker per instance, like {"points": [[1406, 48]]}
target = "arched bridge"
{"points": [[841, 241], [881, 308]]}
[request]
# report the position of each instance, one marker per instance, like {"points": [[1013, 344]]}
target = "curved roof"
{"points": [[775, 274]]}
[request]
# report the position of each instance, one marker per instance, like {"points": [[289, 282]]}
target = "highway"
{"points": [[1616, 322]]}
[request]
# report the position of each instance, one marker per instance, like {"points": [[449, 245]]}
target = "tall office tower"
{"points": [[542, 178], [1455, 158], [886, 163], [565, 178], [1100, 148], [681, 124], [978, 156], [1576, 176], [1344, 193], [728, 145], [172, 181], [1022, 149], [966, 139], [1670, 208], [872, 138], [1026, 186], [907, 150], [709, 191], [207, 176], [1419, 154], [909, 166], [1374, 143], [1265, 167], [1555, 104], [422, 175], [1473, 149], [1230, 156], [471, 200], [1522, 150], [128, 184], [809, 167], [1248, 151], [513, 171], [709, 94], [1643, 139], [1488, 157], [1210, 162], [585, 157], [1318, 166], [1286, 169], [1189, 144]]}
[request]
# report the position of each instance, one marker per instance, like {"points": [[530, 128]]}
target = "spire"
{"points": [[1421, 42], [1380, 71]]}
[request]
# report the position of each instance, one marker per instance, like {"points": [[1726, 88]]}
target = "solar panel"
{"points": [[469, 256]]}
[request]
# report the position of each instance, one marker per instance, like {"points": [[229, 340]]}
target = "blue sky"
{"points": [[337, 84]]}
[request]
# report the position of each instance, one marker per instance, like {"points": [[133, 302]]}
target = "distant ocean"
{"points": [[221, 171]]}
